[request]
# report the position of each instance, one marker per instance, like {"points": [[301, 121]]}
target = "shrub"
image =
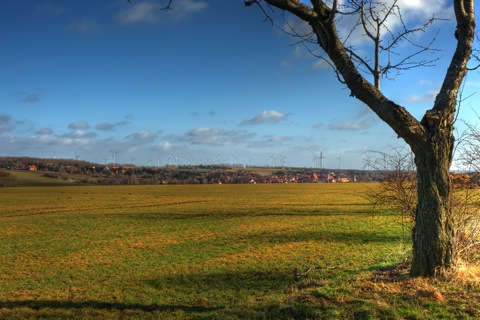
{"points": [[7, 179]]}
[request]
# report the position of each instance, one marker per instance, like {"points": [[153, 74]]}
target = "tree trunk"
{"points": [[433, 234]]}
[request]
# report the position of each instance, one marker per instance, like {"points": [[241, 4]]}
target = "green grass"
{"points": [[306, 251]]}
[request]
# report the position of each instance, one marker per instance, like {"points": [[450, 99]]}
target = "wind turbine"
{"points": [[76, 155], [149, 161], [114, 155], [235, 158], [251, 160], [282, 161], [321, 159], [339, 158], [133, 159], [170, 158], [158, 159], [218, 158], [53, 155], [105, 159], [315, 159], [273, 159]]}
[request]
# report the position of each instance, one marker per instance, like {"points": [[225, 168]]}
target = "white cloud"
{"points": [[143, 135], [414, 13], [45, 131], [106, 126], [79, 134], [166, 146], [266, 116], [45, 139], [425, 9], [143, 12], [78, 125]]}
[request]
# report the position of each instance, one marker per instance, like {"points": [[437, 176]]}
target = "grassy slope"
{"points": [[36, 179], [229, 251]]}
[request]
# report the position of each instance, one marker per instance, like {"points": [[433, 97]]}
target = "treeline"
{"points": [[41, 164], [109, 174]]}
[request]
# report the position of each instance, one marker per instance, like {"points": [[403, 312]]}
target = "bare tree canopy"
{"points": [[430, 139]]}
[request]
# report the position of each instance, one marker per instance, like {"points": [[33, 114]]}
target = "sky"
{"points": [[207, 82]]}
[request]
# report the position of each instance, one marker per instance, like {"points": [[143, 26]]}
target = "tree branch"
{"points": [[249, 3]]}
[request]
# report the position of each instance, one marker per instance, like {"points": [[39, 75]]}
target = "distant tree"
{"points": [[430, 139]]}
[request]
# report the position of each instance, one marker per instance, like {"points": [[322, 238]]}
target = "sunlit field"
{"points": [[283, 251]]}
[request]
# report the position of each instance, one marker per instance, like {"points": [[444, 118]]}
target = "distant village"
{"points": [[93, 173]]}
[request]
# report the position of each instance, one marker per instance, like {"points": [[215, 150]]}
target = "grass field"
{"points": [[296, 251]]}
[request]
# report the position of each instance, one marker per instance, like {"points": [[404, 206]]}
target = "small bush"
{"points": [[7, 179]]}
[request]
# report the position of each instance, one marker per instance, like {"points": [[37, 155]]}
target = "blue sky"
{"points": [[209, 81]]}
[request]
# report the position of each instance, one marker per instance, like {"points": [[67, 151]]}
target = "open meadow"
{"points": [[273, 251]]}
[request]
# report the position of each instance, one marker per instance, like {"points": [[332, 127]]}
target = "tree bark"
{"points": [[434, 233]]}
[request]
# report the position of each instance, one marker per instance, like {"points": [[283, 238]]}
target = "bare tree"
{"points": [[430, 139]]}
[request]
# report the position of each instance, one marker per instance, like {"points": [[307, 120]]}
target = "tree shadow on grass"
{"points": [[199, 295], [211, 294], [317, 211], [326, 239], [225, 282], [100, 305]]}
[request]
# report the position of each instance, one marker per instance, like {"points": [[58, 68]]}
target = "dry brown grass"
{"points": [[464, 275], [396, 281]]}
